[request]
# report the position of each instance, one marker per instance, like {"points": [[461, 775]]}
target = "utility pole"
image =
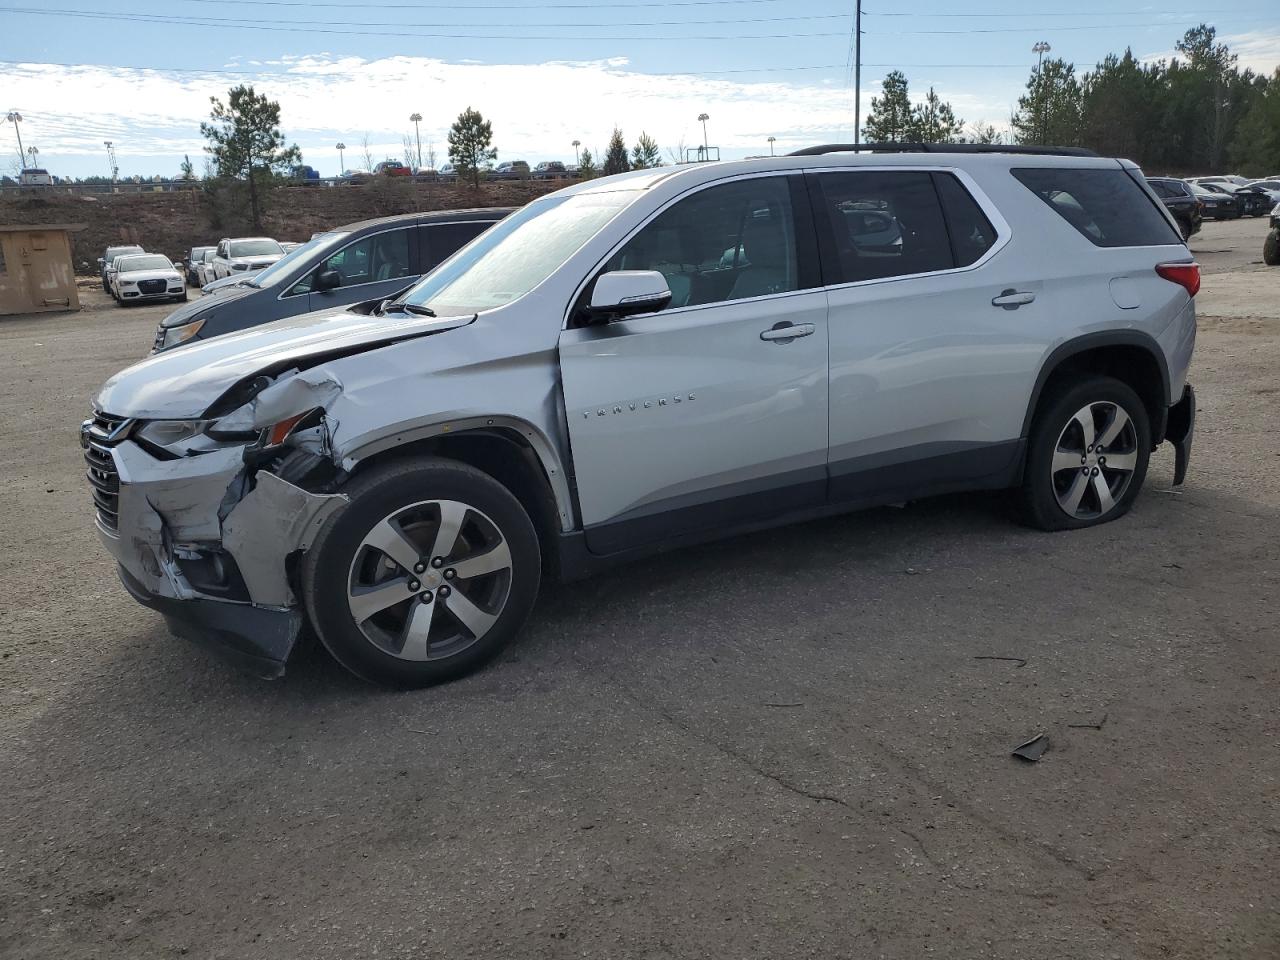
{"points": [[342, 167], [1040, 49], [416, 118], [857, 72], [15, 118]]}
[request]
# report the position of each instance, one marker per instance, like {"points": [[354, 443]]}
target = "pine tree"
{"points": [[645, 153], [586, 165], [245, 141], [890, 118], [933, 121], [470, 144], [615, 158], [1049, 112]]}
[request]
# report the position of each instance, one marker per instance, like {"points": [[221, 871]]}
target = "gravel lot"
{"points": [[794, 744]]}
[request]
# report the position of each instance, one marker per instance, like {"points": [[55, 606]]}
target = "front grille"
{"points": [[151, 286], [99, 435]]}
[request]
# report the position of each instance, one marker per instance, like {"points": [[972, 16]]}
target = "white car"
{"points": [[244, 254], [203, 267], [35, 177], [146, 276]]}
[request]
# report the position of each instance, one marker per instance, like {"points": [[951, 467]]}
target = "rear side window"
{"points": [[971, 232], [881, 224], [1106, 206], [438, 242]]}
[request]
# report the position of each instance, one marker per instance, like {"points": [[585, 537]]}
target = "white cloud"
{"points": [[537, 110]]}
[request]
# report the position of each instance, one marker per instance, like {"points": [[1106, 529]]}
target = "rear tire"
{"points": [[1087, 455], [426, 575], [1271, 248]]}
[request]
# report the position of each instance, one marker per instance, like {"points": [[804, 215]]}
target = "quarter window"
{"points": [[882, 224], [971, 232], [727, 242], [1105, 206]]}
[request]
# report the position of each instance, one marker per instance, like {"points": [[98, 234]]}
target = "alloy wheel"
{"points": [[1094, 460], [429, 580]]}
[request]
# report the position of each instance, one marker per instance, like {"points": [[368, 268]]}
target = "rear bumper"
{"points": [[1180, 431]]}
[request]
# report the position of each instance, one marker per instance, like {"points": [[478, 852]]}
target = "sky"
{"points": [[141, 73]]}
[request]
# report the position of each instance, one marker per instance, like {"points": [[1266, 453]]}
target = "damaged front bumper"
{"points": [[206, 541]]}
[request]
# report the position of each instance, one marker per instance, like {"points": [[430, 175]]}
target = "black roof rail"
{"points": [[942, 148]]}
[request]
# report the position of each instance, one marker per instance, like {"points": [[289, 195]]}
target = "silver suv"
{"points": [[643, 361]]}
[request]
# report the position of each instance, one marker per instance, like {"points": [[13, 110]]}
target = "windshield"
{"points": [[516, 254], [113, 252], [134, 264], [276, 272], [254, 248]]}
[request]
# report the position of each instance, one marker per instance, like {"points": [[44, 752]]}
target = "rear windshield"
{"points": [[1106, 206], [254, 248]]}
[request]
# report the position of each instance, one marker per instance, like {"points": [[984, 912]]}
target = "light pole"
{"points": [[33, 152], [416, 119], [340, 146], [577, 157], [771, 139], [705, 148], [857, 73], [15, 118], [111, 159], [1040, 49]]}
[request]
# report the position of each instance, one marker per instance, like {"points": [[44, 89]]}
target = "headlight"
{"points": [[171, 435], [176, 335]]}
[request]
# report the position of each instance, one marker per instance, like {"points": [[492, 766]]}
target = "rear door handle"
{"points": [[1012, 299], [786, 331]]}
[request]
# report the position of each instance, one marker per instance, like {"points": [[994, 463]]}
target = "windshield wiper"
{"points": [[402, 307]]}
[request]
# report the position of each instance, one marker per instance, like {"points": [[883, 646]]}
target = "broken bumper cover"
{"points": [[1180, 431], [176, 513], [257, 639]]}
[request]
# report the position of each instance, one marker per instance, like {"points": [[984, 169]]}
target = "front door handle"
{"points": [[786, 331], [1012, 299]]}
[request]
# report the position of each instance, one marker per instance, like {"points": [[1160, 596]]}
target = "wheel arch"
{"points": [[1131, 356], [511, 451]]}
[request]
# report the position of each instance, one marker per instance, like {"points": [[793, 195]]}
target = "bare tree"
{"points": [[676, 153], [410, 152], [366, 154], [430, 155]]}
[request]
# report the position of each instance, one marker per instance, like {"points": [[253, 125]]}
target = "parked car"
{"points": [[308, 174], [1178, 198], [1226, 180], [1271, 246], [426, 173], [355, 176], [550, 170], [1271, 186], [392, 168], [510, 170], [108, 257], [365, 261], [34, 177], [572, 170], [1254, 200], [587, 382], [192, 263], [447, 172], [1218, 204], [244, 254], [141, 277]]}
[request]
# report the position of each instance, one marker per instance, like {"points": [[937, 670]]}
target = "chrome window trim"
{"points": [[414, 225], [697, 188], [994, 216]]}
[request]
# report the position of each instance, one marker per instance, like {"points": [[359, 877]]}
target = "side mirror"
{"points": [[328, 280], [625, 293], [102, 262]]}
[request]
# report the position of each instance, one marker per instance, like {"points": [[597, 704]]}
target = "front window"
{"points": [[255, 248], [380, 256], [286, 264], [135, 264], [519, 252]]}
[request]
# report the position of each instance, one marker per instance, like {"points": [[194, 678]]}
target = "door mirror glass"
{"points": [[328, 280], [625, 293]]}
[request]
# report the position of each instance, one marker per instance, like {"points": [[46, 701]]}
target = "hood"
{"points": [[204, 307], [183, 383], [221, 286], [259, 260], [133, 276]]}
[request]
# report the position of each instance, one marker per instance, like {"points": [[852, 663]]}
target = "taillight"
{"points": [[1185, 275]]}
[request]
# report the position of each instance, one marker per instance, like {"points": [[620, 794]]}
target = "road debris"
{"points": [[1018, 660], [1033, 749], [1089, 726]]}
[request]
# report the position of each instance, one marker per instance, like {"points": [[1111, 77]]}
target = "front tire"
{"points": [[1271, 248], [1087, 455], [426, 575]]}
